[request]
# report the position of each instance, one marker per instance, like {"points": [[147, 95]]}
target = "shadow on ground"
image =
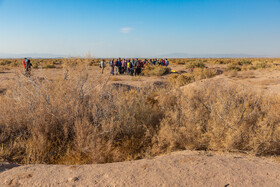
{"points": [[6, 166]]}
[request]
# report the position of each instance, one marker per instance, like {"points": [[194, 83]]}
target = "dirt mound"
{"points": [[177, 169]]}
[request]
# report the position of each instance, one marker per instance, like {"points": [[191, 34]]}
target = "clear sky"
{"points": [[142, 28]]}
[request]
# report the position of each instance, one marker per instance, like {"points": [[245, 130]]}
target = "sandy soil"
{"points": [[185, 168], [264, 82]]}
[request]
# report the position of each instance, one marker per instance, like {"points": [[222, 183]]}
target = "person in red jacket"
{"points": [[24, 63]]}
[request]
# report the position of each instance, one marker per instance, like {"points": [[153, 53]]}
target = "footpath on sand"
{"points": [[186, 168]]}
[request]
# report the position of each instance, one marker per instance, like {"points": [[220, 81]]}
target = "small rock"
{"points": [[74, 179]]}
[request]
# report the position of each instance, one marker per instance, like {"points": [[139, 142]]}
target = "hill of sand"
{"points": [[186, 168]]}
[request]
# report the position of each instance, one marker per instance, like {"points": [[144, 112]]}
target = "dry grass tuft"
{"points": [[197, 74], [181, 80], [75, 121], [221, 117], [195, 64], [156, 70], [113, 78]]}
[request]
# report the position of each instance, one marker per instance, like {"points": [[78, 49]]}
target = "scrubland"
{"points": [[78, 118]]}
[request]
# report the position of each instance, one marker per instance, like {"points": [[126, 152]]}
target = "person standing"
{"points": [[123, 66], [102, 66], [138, 67], [166, 62], [24, 63], [128, 67], [117, 66], [27, 65], [112, 65]]}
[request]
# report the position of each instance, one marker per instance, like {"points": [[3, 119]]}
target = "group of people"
{"points": [[131, 66], [118, 66]]}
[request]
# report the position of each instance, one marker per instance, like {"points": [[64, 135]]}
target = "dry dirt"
{"points": [[186, 168]]}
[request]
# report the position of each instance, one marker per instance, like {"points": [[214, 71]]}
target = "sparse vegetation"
{"points": [[49, 66], [261, 65], [232, 67], [5, 62], [244, 62], [82, 119], [195, 64], [186, 78], [221, 117], [203, 73], [156, 70], [181, 80]]}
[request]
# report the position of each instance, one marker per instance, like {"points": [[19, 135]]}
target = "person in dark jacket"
{"points": [[27, 65]]}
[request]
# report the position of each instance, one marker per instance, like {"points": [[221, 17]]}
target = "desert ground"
{"points": [[184, 168], [181, 164]]}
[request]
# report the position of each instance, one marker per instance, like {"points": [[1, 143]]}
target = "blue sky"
{"points": [[143, 28]]}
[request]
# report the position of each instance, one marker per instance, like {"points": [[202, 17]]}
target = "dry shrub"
{"points": [[75, 120], [256, 65], [197, 74], [10, 62], [276, 67], [36, 64], [244, 62], [204, 73], [261, 65], [241, 65], [195, 64], [5, 62], [178, 61], [181, 80], [248, 67], [218, 116], [70, 121], [156, 70], [220, 61], [233, 67]]}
